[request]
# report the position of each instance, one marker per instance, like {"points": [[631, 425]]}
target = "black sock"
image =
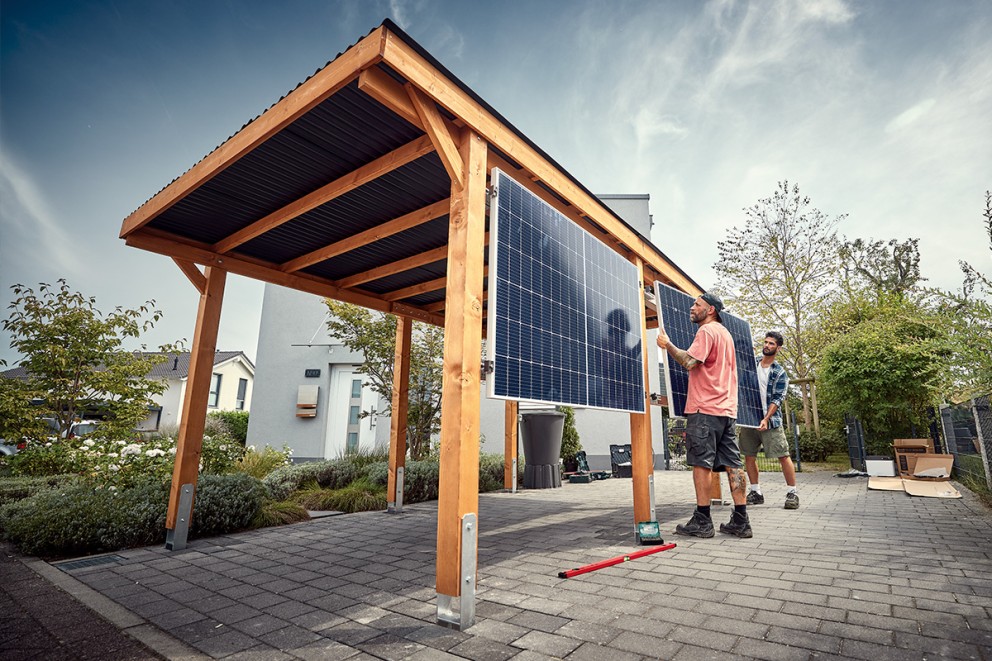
{"points": [[741, 510], [704, 510]]}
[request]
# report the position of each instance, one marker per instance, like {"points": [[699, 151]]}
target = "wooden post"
{"points": [[458, 502], [641, 453], [510, 446], [716, 495], [190, 442], [816, 411], [398, 421]]}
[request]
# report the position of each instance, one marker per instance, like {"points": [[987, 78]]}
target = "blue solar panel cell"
{"points": [[566, 328], [673, 314]]}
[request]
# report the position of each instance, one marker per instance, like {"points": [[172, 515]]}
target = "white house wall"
{"points": [[293, 339]]}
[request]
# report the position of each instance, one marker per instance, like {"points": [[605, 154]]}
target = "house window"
{"points": [[242, 391], [214, 400], [356, 388]]}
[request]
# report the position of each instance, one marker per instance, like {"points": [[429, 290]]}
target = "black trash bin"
{"points": [[540, 432]]}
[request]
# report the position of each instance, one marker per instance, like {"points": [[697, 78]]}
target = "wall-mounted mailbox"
{"points": [[306, 401]]}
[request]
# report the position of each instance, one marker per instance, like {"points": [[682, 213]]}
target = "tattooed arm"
{"points": [[681, 356]]}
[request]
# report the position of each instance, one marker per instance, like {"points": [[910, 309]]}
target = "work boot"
{"points": [[739, 526], [792, 501], [755, 498], [698, 526]]}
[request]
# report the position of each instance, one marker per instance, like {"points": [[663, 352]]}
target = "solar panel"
{"points": [[565, 312], [673, 314]]}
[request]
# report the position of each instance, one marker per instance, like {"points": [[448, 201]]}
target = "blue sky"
{"points": [[878, 110]]}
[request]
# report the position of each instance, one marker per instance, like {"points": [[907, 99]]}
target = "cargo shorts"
{"points": [[710, 442], [772, 440]]}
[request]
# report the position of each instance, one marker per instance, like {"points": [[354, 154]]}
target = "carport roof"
{"points": [[341, 188]]}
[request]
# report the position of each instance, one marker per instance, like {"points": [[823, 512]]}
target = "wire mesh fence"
{"points": [[676, 442], [967, 430]]}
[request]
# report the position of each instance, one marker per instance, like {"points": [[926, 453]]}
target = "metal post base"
{"points": [[396, 506], [462, 617], [175, 538]]}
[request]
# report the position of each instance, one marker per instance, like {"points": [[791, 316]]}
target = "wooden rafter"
{"points": [[412, 262], [166, 244], [419, 72], [349, 182], [436, 284], [319, 87], [371, 235]]}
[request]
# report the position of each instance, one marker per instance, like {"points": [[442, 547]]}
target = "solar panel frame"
{"points": [[565, 312], [673, 315]]}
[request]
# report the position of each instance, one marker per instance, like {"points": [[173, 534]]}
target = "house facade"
{"points": [[231, 387], [312, 398]]}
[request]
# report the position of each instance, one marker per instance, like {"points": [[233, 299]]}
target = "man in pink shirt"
{"points": [[711, 415]]}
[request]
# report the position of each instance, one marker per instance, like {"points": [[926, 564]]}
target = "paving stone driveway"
{"points": [[851, 574]]}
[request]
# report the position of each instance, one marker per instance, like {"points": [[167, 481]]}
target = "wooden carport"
{"points": [[368, 184]]}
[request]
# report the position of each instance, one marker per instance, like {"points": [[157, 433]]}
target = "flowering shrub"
{"points": [[110, 462]]}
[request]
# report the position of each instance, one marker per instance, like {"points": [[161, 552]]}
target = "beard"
{"points": [[769, 352]]}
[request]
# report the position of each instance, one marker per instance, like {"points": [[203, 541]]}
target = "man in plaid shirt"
{"points": [[773, 382]]}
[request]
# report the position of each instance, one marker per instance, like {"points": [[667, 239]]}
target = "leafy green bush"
{"points": [[570, 443], [78, 519], [235, 423], [48, 457], [491, 472], [226, 503], [420, 481], [17, 488], [816, 449]]}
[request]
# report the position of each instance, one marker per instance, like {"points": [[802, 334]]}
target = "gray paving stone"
{"points": [[592, 652], [646, 645]]}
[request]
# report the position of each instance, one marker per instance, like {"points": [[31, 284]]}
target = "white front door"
{"points": [[347, 430]]}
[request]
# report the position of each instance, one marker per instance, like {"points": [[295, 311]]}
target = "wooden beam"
{"points": [[195, 276], [371, 235], [412, 262], [422, 288], [319, 87], [386, 163], [166, 244], [459, 470], [386, 90], [186, 467], [398, 414], [434, 124], [510, 411], [421, 73], [641, 453]]}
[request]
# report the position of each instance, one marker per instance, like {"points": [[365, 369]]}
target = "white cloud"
{"points": [[25, 212], [908, 117]]}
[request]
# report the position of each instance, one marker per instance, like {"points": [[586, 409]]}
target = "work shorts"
{"points": [[772, 440], [710, 442]]}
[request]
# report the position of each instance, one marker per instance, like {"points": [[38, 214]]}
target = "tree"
{"points": [[969, 312], [880, 266], [373, 334], [886, 364], [780, 270], [74, 360], [570, 442]]}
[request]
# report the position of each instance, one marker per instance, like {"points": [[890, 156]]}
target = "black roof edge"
{"points": [[412, 43]]}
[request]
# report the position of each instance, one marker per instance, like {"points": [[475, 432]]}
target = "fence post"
{"points": [[981, 413], [799, 461]]}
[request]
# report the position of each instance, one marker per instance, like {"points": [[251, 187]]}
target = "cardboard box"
{"points": [[905, 448], [930, 467]]}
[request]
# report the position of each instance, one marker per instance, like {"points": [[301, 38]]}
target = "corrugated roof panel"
{"points": [[399, 192], [338, 136], [390, 249]]}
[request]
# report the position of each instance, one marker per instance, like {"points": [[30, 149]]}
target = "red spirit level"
{"points": [[613, 561]]}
